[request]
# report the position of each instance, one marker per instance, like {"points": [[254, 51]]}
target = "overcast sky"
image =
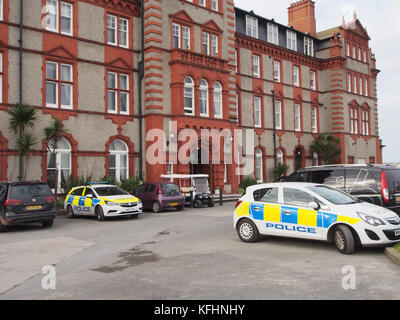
{"points": [[379, 17]]}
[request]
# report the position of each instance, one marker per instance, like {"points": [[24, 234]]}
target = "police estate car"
{"points": [[102, 201], [312, 211]]}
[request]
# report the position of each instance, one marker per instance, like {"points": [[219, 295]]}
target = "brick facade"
{"points": [[100, 43]]}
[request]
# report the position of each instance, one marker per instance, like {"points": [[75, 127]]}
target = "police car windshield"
{"points": [[332, 195], [110, 191]]}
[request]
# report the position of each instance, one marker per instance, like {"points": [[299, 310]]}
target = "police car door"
{"points": [[297, 219], [89, 197], [75, 200], [266, 210]]}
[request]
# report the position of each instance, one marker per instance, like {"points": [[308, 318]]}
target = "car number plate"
{"points": [[397, 232], [32, 208], [175, 204]]}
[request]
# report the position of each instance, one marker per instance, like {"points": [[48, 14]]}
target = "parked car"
{"points": [[377, 184], [158, 196], [316, 212], [102, 201], [26, 202], [196, 186]]}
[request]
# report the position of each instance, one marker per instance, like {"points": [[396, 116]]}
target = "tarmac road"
{"points": [[192, 255]]}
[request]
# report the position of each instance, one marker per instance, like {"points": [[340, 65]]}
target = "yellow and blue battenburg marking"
{"points": [[291, 215]]}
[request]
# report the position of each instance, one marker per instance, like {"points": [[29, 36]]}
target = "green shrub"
{"points": [[247, 182], [130, 184], [68, 184]]}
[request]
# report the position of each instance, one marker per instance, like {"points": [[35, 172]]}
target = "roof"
{"points": [[328, 33]]}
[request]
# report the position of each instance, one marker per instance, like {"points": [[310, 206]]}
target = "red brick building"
{"points": [[206, 65]]}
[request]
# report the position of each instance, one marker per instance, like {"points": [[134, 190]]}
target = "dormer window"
{"points": [[291, 40], [251, 27], [308, 46]]}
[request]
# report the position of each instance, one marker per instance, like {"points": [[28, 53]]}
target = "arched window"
{"points": [[118, 165], [58, 162], [217, 100], [203, 96], [279, 157], [188, 96], [259, 166]]}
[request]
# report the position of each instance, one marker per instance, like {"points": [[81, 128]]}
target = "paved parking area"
{"points": [[193, 254]]}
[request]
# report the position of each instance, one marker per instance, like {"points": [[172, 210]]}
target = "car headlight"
{"points": [[373, 221], [111, 204]]}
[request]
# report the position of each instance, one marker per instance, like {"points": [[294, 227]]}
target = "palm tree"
{"points": [[21, 118], [327, 147], [53, 134]]}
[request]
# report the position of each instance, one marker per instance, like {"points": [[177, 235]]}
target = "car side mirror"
{"points": [[313, 205], [90, 196]]}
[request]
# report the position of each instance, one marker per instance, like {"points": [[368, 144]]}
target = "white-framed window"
{"points": [[278, 114], [308, 46], [354, 52], [66, 18], [236, 60], [185, 38], [214, 45], [205, 43], [291, 40], [279, 156], [117, 31], [364, 122], [214, 5], [252, 27], [202, 3], [365, 56], [355, 84], [188, 96], [314, 120], [349, 82], [272, 33], [359, 54], [59, 85], [217, 100], [296, 76], [52, 15], [118, 93], [256, 66], [366, 88], [297, 117], [360, 83], [277, 71], [203, 97], [59, 16], [59, 162], [176, 36], [353, 121], [118, 161], [237, 107], [259, 166], [257, 112], [348, 49], [313, 80], [1, 10], [1, 77]]}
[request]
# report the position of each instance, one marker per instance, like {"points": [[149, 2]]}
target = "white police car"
{"points": [[312, 211], [102, 201]]}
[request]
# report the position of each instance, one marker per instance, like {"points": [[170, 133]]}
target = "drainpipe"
{"points": [[21, 19], [141, 77], [274, 124]]}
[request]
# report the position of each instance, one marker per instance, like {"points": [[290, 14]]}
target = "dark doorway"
{"points": [[298, 159]]}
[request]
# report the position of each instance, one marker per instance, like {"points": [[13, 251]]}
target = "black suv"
{"points": [[377, 184], [26, 202]]}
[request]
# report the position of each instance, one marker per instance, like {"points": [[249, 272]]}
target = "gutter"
{"points": [[140, 84], [21, 19]]}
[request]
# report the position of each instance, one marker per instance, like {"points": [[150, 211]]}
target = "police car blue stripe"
{"points": [[329, 219], [289, 215], [82, 201]]}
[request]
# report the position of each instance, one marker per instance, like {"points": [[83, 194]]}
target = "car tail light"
{"points": [[385, 188], [238, 204], [50, 199], [12, 202]]}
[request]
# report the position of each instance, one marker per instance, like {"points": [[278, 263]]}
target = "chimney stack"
{"points": [[302, 16]]}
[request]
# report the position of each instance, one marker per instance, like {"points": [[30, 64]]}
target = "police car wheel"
{"points": [[100, 214], [344, 240], [70, 212], [247, 231], [197, 204]]}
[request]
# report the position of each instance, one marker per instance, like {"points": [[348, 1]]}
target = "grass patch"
{"points": [[397, 247]]}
